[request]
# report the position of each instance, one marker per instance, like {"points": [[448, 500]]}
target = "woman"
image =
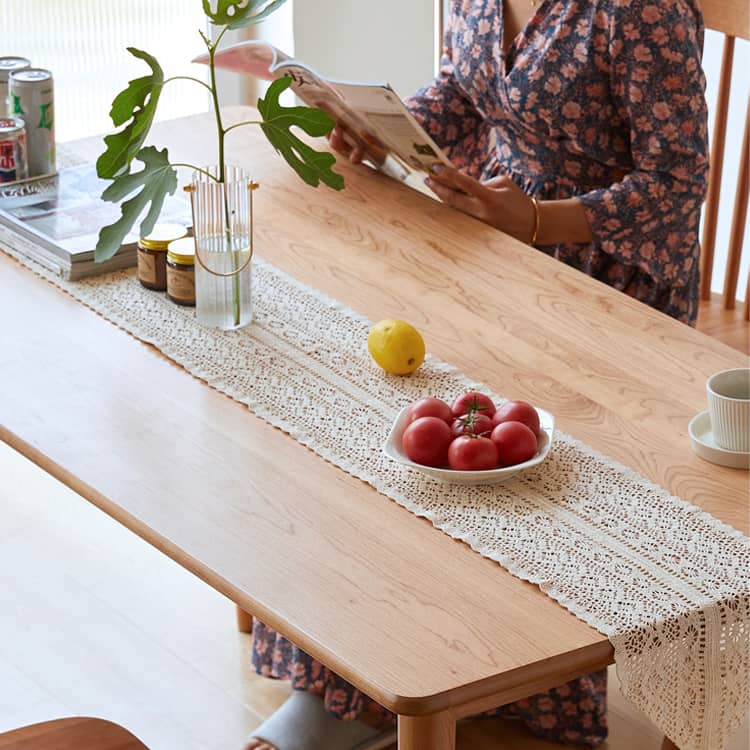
{"points": [[578, 126], [595, 109]]}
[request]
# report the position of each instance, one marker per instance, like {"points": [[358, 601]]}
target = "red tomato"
{"points": [[429, 407], [469, 453], [472, 424], [473, 401], [515, 443], [518, 411], [426, 441]]}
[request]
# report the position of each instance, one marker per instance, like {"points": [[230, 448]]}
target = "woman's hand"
{"points": [[498, 202], [342, 146], [366, 147]]}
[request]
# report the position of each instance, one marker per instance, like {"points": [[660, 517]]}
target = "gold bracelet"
{"points": [[536, 221]]}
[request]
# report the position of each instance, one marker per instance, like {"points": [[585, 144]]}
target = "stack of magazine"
{"points": [[55, 221]]}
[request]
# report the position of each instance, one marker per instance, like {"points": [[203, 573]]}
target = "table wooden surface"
{"points": [[412, 617]]}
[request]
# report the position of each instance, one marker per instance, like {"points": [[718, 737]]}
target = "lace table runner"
{"points": [[667, 583]]}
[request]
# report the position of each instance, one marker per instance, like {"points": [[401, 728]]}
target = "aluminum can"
{"points": [[13, 164], [32, 98], [7, 66]]}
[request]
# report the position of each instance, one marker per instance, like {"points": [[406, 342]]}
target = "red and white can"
{"points": [[13, 159]]}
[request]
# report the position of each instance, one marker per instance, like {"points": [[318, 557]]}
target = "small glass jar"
{"points": [[152, 255], [181, 271]]}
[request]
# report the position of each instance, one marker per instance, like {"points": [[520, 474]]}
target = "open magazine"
{"points": [[370, 114]]}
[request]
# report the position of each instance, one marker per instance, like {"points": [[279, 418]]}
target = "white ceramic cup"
{"points": [[729, 408]]}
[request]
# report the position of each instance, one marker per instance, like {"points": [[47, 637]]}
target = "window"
{"points": [[83, 43]]}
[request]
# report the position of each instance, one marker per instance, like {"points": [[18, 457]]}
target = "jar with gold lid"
{"points": [[181, 271], [152, 255]]}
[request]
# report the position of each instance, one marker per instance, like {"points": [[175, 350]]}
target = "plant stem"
{"points": [[215, 96], [240, 124], [186, 78], [193, 167]]}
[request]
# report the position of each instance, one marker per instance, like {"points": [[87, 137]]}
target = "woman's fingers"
{"points": [[469, 204], [355, 149], [457, 189], [452, 178], [338, 142], [497, 182]]}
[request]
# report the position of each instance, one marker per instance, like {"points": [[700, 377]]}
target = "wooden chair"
{"points": [[731, 18], [75, 733]]}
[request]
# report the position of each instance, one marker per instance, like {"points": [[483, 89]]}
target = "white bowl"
{"points": [[393, 449]]}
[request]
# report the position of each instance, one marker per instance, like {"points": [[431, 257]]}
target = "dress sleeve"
{"points": [[650, 218], [445, 110]]}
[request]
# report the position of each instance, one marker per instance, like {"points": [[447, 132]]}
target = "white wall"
{"points": [[391, 40]]}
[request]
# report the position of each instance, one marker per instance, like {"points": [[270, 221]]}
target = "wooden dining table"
{"points": [[413, 618]]}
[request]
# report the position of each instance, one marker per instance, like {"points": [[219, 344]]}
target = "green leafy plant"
{"points": [[135, 108]]}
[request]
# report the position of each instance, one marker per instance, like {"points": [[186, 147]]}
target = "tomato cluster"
{"points": [[471, 434]]}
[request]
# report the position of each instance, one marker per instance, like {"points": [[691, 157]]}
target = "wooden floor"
{"points": [[95, 622], [728, 326]]}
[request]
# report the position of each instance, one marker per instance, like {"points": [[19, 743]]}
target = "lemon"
{"points": [[396, 346]]}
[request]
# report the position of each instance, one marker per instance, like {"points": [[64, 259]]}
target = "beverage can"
{"points": [[7, 65], [32, 98], [13, 165]]}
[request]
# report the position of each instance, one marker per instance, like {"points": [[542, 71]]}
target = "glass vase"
{"points": [[223, 230]]}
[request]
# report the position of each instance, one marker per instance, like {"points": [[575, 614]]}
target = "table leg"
{"points": [[244, 621], [433, 732]]}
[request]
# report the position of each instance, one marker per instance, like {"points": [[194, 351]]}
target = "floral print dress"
{"points": [[602, 100], [597, 99]]}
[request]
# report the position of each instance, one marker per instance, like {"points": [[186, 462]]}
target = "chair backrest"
{"points": [[732, 18], [74, 733]]}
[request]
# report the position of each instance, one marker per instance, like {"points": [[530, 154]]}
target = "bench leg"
{"points": [[433, 732], [244, 621]]}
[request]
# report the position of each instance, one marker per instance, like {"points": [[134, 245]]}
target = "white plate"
{"points": [[704, 445], [393, 449]]}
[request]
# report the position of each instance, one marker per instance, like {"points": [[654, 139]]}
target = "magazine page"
{"points": [[371, 115], [390, 121], [253, 57]]}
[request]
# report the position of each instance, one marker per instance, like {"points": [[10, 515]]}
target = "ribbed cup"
{"points": [[729, 408]]}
